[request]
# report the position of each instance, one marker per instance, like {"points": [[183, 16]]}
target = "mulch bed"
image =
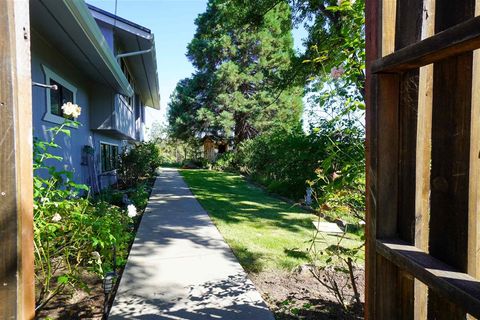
{"points": [[77, 304], [298, 295]]}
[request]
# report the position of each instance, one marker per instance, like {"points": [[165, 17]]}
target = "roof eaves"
{"points": [[115, 17], [81, 13]]}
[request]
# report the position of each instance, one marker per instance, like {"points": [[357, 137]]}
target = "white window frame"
{"points": [[49, 74]]}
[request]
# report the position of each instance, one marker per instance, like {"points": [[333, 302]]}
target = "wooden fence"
{"points": [[423, 166]]}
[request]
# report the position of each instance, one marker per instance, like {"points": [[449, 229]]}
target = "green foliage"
{"points": [[139, 162], [196, 163], [70, 234], [286, 161], [282, 160], [139, 195], [226, 162], [239, 88]]}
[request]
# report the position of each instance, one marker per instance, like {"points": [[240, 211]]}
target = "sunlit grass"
{"points": [[264, 232]]}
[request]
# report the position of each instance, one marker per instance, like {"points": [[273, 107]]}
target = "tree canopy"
{"points": [[239, 88]]}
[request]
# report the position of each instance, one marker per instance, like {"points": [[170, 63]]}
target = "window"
{"points": [[123, 65], [109, 156], [56, 98]]}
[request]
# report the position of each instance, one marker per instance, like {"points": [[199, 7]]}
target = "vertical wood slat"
{"points": [[474, 174], [450, 156], [388, 26], [450, 179], [372, 51], [387, 121], [16, 237], [407, 31], [423, 158], [386, 298], [24, 147], [8, 218], [449, 171]]}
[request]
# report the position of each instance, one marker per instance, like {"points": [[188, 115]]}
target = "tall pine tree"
{"points": [[239, 88]]}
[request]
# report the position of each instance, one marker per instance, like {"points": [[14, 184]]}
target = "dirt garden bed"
{"points": [[298, 295]]}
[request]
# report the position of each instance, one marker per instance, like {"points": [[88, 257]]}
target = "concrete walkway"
{"points": [[180, 267]]}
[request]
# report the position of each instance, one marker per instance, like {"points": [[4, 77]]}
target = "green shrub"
{"points": [[282, 160], [196, 163], [139, 162], [71, 234], [226, 162], [287, 161], [139, 195]]}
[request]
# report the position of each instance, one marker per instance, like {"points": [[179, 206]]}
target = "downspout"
{"points": [[134, 53]]}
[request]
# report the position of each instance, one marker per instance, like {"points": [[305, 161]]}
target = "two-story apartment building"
{"points": [[104, 64]]}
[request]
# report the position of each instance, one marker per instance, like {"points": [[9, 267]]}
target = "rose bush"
{"points": [[71, 234]]}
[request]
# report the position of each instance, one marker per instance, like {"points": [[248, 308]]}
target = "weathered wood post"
{"points": [[17, 300], [423, 146]]}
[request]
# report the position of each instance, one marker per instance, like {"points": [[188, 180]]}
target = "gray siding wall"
{"points": [[45, 55], [102, 108]]}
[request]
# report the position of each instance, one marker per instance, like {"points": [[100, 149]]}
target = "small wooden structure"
{"points": [[17, 299], [212, 147], [423, 166]]}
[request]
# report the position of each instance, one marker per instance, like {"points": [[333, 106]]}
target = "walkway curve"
{"points": [[180, 267]]}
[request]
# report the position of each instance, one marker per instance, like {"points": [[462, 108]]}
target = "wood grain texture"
{"points": [[462, 38], [388, 26], [450, 163], [16, 196], [474, 174], [386, 297], [458, 287], [24, 169], [387, 166], [422, 190], [423, 159], [372, 53], [408, 31], [8, 205], [450, 155]]}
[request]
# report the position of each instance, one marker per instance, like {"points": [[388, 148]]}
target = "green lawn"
{"points": [[264, 232]]}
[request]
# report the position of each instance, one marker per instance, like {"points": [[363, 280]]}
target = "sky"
{"points": [[172, 23]]}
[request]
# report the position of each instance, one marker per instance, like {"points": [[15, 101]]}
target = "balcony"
{"points": [[112, 115], [124, 118]]}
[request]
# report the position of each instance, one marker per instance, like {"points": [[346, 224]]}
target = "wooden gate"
{"points": [[423, 166]]}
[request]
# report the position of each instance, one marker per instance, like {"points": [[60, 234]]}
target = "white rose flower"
{"points": [[131, 211], [70, 109], [56, 217], [77, 111]]}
